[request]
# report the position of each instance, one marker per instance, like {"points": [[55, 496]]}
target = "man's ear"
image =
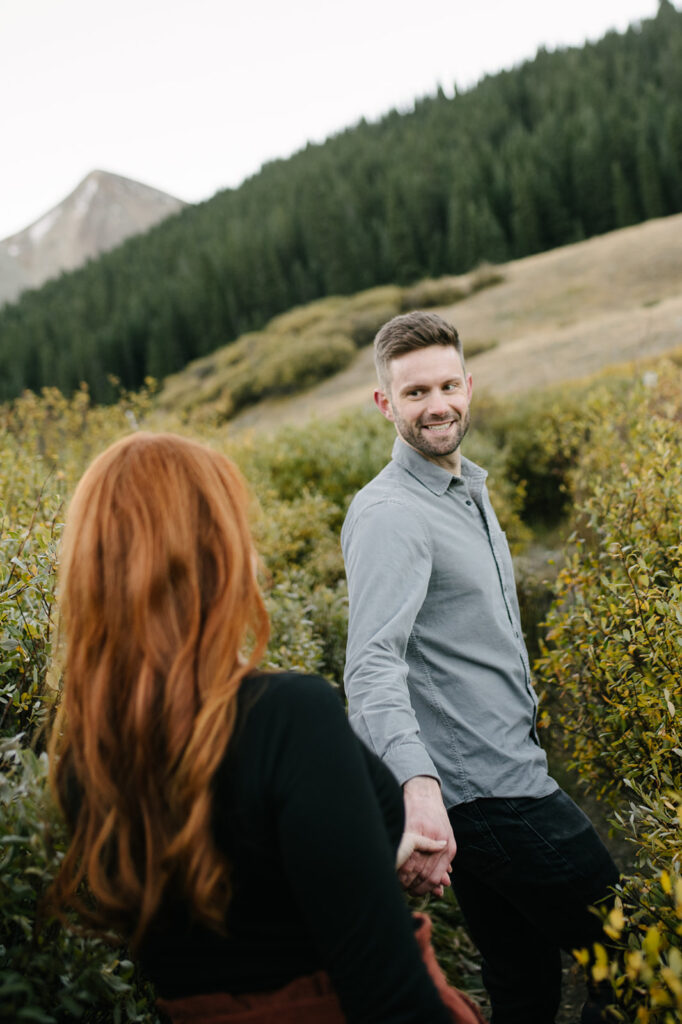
{"points": [[383, 404]]}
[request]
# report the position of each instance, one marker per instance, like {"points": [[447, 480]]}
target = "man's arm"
{"points": [[388, 565]]}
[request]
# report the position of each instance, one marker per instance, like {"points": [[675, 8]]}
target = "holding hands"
{"points": [[428, 845]]}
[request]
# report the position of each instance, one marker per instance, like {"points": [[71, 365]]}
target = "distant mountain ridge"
{"points": [[100, 213]]}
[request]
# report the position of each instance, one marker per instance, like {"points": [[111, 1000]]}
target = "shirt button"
{"points": [[468, 501]]}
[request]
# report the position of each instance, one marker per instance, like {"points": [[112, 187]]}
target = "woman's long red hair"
{"points": [[162, 618]]}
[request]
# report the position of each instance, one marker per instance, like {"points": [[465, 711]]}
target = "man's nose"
{"points": [[437, 405]]}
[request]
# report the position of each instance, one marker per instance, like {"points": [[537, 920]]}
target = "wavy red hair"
{"points": [[162, 618]]}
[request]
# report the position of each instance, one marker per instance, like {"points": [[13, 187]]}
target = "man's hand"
{"points": [[425, 815]]}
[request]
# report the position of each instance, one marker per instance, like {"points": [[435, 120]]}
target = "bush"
{"points": [[612, 664], [333, 458], [429, 293], [48, 973], [614, 632], [446, 291], [294, 351], [46, 441], [26, 600]]}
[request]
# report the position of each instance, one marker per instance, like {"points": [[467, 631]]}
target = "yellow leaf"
{"points": [[675, 961], [666, 884], [600, 970], [615, 923], [659, 996], [652, 942], [633, 962], [671, 980]]}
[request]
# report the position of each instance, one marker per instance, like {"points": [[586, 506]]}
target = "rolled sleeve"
{"points": [[388, 565]]}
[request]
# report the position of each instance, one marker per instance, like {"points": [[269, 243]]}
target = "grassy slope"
{"points": [[556, 316]]}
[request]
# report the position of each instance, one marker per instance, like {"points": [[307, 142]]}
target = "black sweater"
{"points": [[309, 821]]}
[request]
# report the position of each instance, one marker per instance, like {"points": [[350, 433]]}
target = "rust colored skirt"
{"points": [[309, 1000]]}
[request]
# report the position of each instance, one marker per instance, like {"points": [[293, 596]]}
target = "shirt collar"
{"points": [[435, 478]]}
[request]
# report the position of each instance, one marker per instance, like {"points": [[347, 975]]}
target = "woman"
{"points": [[226, 821]]}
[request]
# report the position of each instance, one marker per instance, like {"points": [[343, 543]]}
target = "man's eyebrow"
{"points": [[418, 385]]}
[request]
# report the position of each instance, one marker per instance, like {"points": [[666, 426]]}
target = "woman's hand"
{"points": [[413, 841]]}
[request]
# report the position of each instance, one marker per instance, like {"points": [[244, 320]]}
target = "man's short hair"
{"points": [[408, 332]]}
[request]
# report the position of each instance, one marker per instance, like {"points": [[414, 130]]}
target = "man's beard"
{"points": [[431, 445]]}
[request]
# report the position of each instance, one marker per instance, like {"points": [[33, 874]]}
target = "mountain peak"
{"points": [[102, 211]]}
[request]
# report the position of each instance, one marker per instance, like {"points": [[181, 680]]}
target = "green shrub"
{"points": [[293, 351], [542, 436], [612, 665], [333, 458], [614, 633], [299, 534], [485, 275], [446, 291], [26, 599], [428, 293], [50, 974]]}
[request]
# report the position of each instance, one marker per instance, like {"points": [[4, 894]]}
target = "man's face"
{"points": [[429, 402]]}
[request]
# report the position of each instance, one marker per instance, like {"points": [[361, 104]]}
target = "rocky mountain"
{"points": [[98, 215]]}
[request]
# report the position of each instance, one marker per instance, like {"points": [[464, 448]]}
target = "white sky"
{"points": [[192, 96]]}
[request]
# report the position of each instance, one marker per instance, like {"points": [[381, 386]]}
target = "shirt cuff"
{"points": [[409, 759]]}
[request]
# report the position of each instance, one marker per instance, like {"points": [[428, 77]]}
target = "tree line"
{"points": [[571, 144]]}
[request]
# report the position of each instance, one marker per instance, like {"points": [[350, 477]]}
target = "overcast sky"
{"points": [[192, 96]]}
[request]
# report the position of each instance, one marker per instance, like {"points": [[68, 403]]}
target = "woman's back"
{"points": [[309, 822]]}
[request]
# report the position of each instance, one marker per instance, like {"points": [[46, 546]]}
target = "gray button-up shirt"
{"points": [[437, 674]]}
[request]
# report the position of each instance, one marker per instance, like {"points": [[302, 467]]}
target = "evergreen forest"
{"points": [[574, 143]]}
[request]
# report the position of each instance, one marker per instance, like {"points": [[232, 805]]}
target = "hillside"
{"points": [[100, 213], [554, 317], [567, 146]]}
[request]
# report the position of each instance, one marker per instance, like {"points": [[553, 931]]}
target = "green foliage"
{"points": [[50, 974], [542, 435], [294, 351], [612, 664], [608, 449], [614, 632], [26, 597], [334, 458], [571, 144], [641, 957], [447, 290], [46, 442]]}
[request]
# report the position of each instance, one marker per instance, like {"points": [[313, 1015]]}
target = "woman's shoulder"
{"points": [[285, 720], [293, 688], [294, 697]]}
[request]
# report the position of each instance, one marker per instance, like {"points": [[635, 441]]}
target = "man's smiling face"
{"points": [[429, 402]]}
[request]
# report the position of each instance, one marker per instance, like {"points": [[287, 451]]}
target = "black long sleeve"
{"points": [[309, 820]]}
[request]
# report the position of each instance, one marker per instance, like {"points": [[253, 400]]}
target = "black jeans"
{"points": [[525, 872]]}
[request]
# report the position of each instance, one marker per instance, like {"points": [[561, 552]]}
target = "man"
{"points": [[438, 685]]}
